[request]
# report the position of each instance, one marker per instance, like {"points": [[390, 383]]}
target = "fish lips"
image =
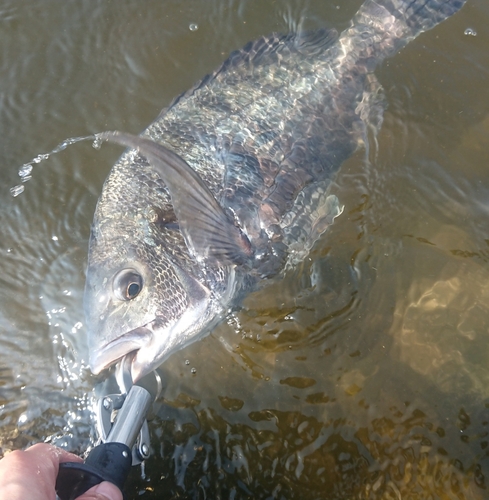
{"points": [[108, 354]]}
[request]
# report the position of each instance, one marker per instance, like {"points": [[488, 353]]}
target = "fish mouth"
{"points": [[110, 353]]}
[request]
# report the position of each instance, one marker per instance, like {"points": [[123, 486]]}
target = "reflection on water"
{"points": [[364, 372], [441, 333]]}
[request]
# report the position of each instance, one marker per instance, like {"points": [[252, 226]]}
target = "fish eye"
{"points": [[128, 283]]}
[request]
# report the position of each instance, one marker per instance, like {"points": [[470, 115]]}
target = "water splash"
{"points": [[25, 171]]}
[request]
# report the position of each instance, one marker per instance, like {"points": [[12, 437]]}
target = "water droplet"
{"points": [[193, 371], [97, 143], [470, 32], [16, 190], [54, 238], [22, 419], [67, 142], [187, 362], [193, 27], [61, 147], [25, 170], [40, 158]]}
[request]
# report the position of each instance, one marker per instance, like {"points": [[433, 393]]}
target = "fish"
{"points": [[231, 184]]}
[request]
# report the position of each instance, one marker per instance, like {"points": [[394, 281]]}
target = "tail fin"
{"points": [[388, 25]]}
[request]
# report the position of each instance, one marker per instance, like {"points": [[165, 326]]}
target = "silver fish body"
{"points": [[230, 184]]}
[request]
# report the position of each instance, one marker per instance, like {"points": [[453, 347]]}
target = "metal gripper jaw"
{"points": [[126, 408]]}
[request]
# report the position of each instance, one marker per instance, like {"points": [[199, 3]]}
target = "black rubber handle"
{"points": [[106, 462]]}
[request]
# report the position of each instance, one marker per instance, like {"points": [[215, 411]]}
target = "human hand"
{"points": [[32, 474]]}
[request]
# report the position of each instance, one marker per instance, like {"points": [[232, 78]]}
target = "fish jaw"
{"points": [[106, 355], [151, 345]]}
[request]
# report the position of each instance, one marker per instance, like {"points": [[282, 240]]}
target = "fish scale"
{"points": [[231, 183]]}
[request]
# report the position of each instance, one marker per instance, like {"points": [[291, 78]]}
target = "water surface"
{"points": [[364, 373]]}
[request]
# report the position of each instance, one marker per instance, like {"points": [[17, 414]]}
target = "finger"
{"points": [[31, 473], [102, 491], [43, 451]]}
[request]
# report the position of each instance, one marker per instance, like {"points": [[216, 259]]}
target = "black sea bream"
{"points": [[229, 185]]}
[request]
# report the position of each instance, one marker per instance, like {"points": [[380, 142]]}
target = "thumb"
{"points": [[102, 491]]}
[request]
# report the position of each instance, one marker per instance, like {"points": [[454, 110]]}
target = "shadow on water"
{"points": [[363, 373]]}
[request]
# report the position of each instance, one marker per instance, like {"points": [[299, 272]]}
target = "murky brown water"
{"points": [[365, 372]]}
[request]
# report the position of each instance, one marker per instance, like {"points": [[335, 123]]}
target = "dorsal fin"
{"points": [[208, 232], [269, 49], [266, 50]]}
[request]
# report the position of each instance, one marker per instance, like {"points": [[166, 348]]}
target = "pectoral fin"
{"points": [[208, 231]]}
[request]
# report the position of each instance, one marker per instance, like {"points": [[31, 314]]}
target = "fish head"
{"points": [[138, 300]]}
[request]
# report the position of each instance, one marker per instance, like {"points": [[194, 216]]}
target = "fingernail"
{"points": [[109, 490]]}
